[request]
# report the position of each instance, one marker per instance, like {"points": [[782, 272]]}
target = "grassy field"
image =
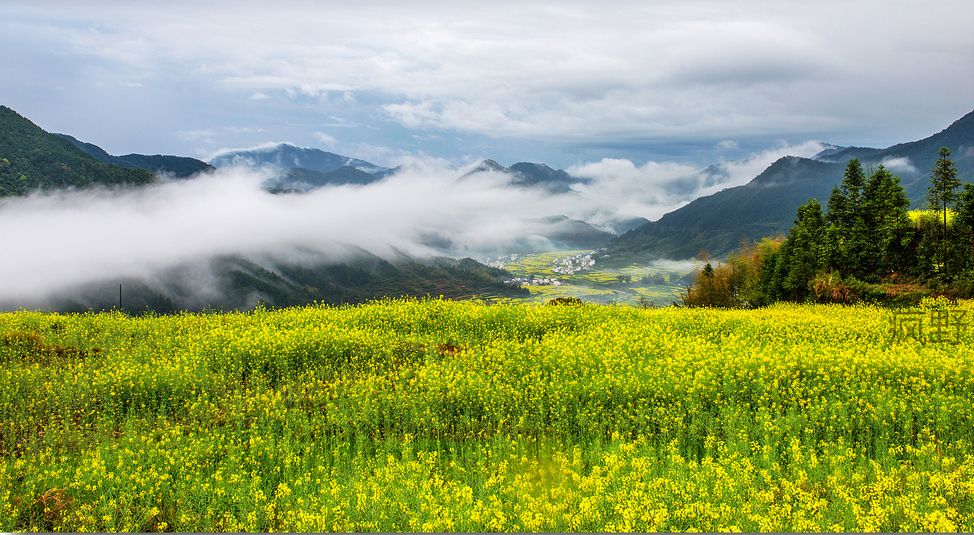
{"points": [[438, 415]]}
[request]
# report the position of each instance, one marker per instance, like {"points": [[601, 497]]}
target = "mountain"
{"points": [[300, 180], [528, 174], [567, 233], [303, 170], [562, 232], [387, 172], [286, 156], [32, 159], [767, 204], [914, 161], [532, 174], [487, 166], [830, 150], [177, 166], [718, 223], [623, 224], [238, 283]]}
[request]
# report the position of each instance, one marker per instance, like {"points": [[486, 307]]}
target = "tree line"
{"points": [[866, 244]]}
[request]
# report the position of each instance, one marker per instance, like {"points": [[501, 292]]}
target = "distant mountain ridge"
{"points": [[177, 166], [914, 160], [303, 169], [575, 234], [33, 159], [306, 169], [766, 205], [287, 156], [530, 174]]}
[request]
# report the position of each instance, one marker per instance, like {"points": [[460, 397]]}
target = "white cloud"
{"points": [[655, 188], [259, 95], [619, 186], [574, 70], [244, 129], [325, 139], [738, 172], [901, 165], [727, 144], [139, 232], [268, 145], [197, 136]]}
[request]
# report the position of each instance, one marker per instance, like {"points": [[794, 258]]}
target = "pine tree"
{"points": [[851, 224], [845, 240], [885, 214], [772, 276], [835, 254], [965, 206], [802, 251], [942, 192], [964, 220], [853, 183]]}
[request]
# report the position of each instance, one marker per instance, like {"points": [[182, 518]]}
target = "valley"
{"points": [[588, 276], [544, 232]]}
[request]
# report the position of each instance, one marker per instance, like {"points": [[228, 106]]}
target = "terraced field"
{"points": [[631, 284]]}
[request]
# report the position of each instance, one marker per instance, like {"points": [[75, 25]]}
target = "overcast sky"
{"points": [[563, 82]]}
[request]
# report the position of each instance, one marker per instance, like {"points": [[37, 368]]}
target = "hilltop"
{"points": [[32, 159]]}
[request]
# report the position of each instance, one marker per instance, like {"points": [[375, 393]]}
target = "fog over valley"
{"points": [[427, 208]]}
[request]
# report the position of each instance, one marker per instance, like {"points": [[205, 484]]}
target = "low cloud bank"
{"points": [[60, 240], [655, 188]]}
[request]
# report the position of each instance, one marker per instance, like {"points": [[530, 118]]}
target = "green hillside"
{"points": [[717, 223], [766, 205], [32, 159], [237, 283]]}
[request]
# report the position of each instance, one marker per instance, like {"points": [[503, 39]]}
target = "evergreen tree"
{"points": [[964, 223], [965, 206], [802, 252], [853, 183], [942, 192], [834, 246], [846, 241], [885, 214], [772, 275]]}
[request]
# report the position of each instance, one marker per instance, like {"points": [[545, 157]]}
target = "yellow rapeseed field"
{"points": [[457, 416]]}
